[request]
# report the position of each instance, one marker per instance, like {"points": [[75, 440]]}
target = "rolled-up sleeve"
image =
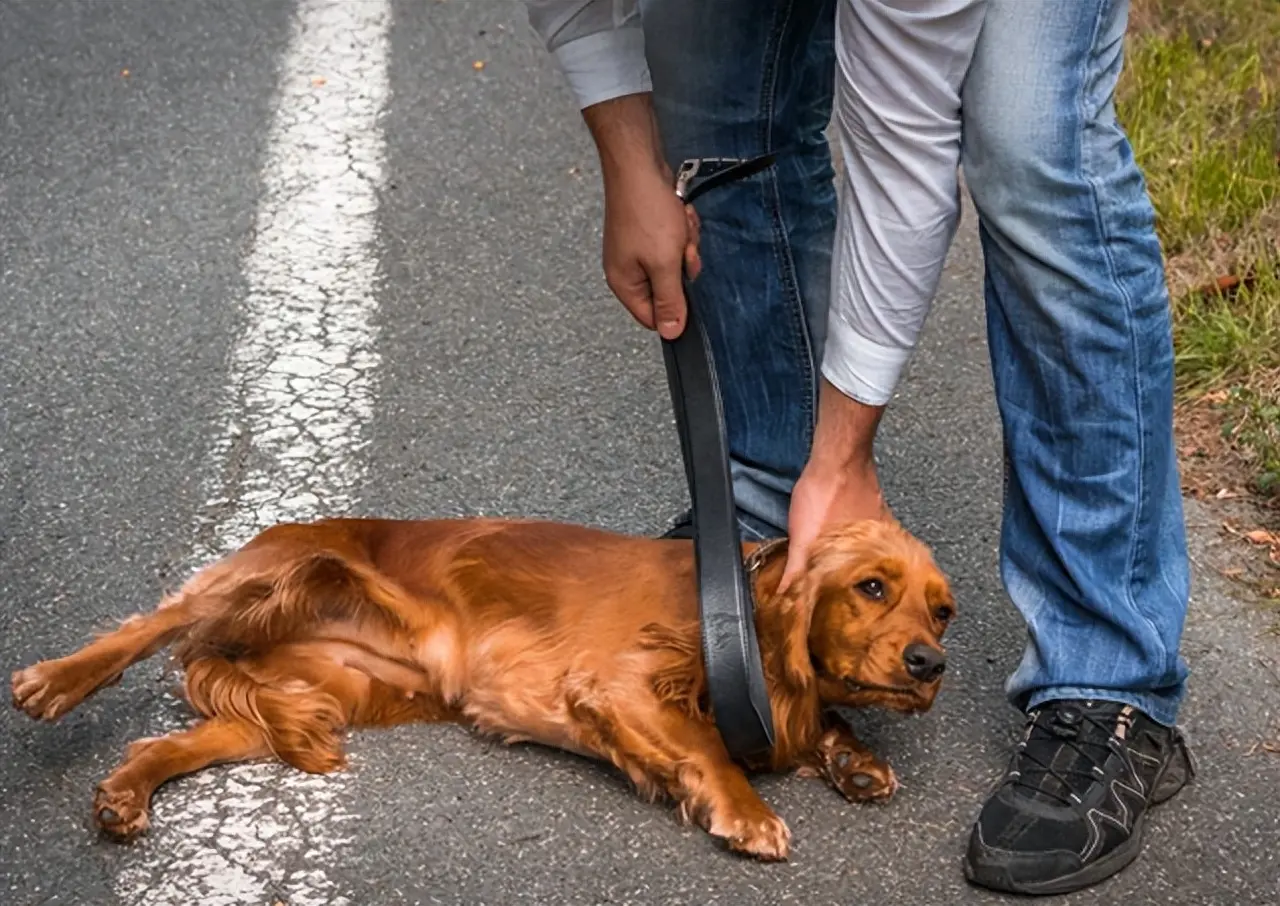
{"points": [[598, 45], [900, 68]]}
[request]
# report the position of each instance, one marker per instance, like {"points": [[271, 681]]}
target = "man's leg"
{"points": [[738, 78], [1093, 550]]}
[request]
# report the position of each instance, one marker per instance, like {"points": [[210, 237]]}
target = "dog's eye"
{"points": [[872, 588], [944, 613]]}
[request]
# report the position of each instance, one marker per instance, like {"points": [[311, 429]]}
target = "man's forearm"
{"points": [[625, 131], [845, 432], [601, 53]]}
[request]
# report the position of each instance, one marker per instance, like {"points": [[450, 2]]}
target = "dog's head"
{"points": [[879, 607]]}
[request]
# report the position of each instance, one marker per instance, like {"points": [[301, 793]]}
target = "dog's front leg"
{"points": [[714, 792], [660, 748], [842, 760]]}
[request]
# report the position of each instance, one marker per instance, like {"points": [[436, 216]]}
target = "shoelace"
{"points": [[1032, 777]]}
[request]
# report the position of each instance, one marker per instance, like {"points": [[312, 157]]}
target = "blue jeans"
{"points": [[738, 79], [1093, 550]]}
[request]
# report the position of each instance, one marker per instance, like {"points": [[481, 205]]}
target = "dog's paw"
{"points": [[861, 778], [46, 691], [122, 814], [766, 838]]}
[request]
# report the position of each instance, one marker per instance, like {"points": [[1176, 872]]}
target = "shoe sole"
{"points": [[994, 876]]}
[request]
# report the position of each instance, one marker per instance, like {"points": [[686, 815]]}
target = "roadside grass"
{"points": [[1200, 100]]}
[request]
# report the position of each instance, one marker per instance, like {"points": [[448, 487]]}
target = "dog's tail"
{"points": [[262, 597], [302, 725], [265, 596], [258, 599]]}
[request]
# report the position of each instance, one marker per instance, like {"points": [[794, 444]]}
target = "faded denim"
{"points": [[1093, 548]]}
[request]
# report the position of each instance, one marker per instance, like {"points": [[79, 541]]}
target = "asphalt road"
{"points": [[501, 379]]}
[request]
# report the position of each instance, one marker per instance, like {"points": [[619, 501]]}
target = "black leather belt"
{"points": [[730, 650]]}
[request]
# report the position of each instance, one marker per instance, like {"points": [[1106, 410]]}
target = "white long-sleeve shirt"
{"points": [[900, 65]]}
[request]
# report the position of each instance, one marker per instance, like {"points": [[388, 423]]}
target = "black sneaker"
{"points": [[1068, 812]]}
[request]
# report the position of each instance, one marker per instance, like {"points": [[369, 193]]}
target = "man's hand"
{"points": [[650, 236], [839, 482]]}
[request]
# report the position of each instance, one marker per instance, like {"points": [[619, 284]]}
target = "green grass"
{"points": [[1253, 421], [1221, 341], [1203, 121], [1200, 99]]}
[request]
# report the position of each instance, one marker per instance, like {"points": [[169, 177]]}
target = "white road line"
{"points": [[299, 398]]}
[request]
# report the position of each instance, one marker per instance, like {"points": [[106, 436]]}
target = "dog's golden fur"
{"points": [[563, 635]]}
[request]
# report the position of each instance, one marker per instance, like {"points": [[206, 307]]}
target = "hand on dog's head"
{"points": [[878, 607]]}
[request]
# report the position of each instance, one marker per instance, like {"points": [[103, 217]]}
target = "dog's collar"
{"points": [[758, 557]]}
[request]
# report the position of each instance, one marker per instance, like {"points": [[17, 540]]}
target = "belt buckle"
{"points": [[688, 170]]}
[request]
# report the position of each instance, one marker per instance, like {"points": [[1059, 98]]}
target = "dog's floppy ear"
{"points": [[834, 550], [791, 611], [797, 609]]}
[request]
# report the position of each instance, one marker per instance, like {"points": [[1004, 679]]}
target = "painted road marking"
{"points": [[299, 399]]}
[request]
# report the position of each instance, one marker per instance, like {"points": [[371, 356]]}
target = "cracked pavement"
{"points": [[174, 290]]}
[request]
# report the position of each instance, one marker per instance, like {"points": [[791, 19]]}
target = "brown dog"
{"points": [[568, 636]]}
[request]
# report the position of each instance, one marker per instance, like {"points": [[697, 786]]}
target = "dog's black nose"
{"points": [[924, 662]]}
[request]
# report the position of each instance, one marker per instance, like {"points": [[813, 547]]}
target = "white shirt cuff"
{"points": [[858, 367], [605, 65]]}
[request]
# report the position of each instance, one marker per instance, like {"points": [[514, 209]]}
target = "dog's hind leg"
{"points": [[50, 689], [123, 801], [303, 696]]}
